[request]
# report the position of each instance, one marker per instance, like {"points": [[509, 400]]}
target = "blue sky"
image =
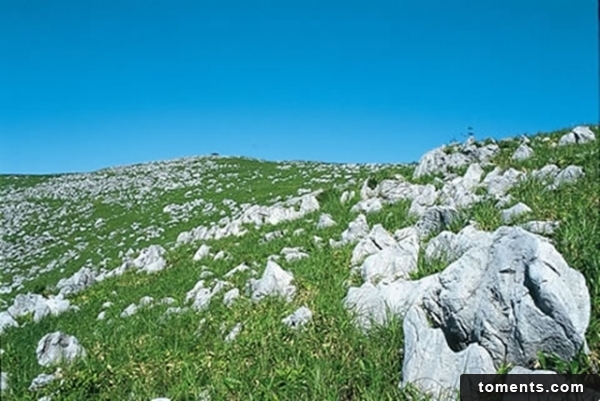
{"points": [[90, 84]]}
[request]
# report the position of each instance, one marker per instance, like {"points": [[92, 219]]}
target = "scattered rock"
{"points": [[346, 196], [523, 152], [150, 259], [368, 206], [6, 321], [514, 212], [230, 296], [202, 252], [579, 135], [325, 221], [567, 176], [130, 310], [357, 229], [3, 382], [274, 281], [292, 254], [299, 318], [43, 379], [240, 268], [57, 347], [435, 219], [233, 333], [79, 281]]}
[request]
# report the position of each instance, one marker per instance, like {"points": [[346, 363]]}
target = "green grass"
{"points": [[145, 356]]}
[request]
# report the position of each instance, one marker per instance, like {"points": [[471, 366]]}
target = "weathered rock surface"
{"points": [[515, 297], [79, 281], [57, 347], [435, 219], [431, 365]]}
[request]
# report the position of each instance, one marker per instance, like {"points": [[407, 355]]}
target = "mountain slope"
{"points": [[132, 232]]}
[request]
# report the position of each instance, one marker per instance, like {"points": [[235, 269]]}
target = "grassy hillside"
{"points": [[52, 226]]}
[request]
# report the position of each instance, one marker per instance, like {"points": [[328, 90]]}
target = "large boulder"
{"points": [[515, 296]]}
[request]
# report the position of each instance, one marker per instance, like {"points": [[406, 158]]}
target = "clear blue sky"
{"points": [[90, 84]]}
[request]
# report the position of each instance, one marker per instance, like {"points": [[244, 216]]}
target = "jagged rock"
{"points": [[299, 318], [202, 252], [368, 206], [274, 281], [514, 212], [371, 303], [431, 365], [540, 227], [230, 296], [523, 152], [377, 239], [515, 296], [292, 254], [325, 221], [579, 135], [57, 347], [435, 219], [79, 281], [235, 331], [146, 300], [6, 321]]}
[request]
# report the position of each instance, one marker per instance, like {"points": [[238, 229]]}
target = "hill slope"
{"points": [[136, 264]]}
